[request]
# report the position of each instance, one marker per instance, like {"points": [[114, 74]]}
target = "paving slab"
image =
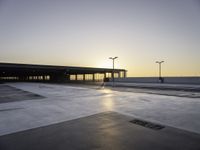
{"points": [[12, 94], [108, 130]]}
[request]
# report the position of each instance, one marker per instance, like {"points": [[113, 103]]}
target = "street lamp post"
{"points": [[160, 75], [113, 60]]}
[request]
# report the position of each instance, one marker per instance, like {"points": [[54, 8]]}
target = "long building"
{"points": [[50, 73]]}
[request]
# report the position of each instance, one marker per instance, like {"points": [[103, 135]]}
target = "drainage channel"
{"points": [[147, 124]]}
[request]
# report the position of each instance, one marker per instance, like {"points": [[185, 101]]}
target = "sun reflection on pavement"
{"points": [[107, 100]]}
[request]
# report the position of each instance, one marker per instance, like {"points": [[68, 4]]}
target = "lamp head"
{"points": [[160, 62], [113, 58]]}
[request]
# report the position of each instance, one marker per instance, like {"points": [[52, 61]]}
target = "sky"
{"points": [[88, 32]]}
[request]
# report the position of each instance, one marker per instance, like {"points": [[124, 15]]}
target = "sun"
{"points": [[105, 64]]}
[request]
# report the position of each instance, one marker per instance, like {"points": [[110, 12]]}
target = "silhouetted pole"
{"points": [[113, 60], [160, 73]]}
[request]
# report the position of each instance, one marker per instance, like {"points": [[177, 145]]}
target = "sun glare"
{"points": [[107, 64]]}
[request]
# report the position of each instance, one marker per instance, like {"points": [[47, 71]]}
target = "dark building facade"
{"points": [[50, 73]]}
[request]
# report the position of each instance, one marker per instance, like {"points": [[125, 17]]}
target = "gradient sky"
{"points": [[87, 32]]}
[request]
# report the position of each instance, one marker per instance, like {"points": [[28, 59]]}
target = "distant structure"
{"points": [[161, 79], [50, 73]]}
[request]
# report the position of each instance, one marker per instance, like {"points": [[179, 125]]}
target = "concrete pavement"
{"points": [[102, 131], [62, 103]]}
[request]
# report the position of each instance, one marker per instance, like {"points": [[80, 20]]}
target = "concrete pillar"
{"points": [[67, 76], [93, 77], [83, 77], [21, 78], [125, 74]]}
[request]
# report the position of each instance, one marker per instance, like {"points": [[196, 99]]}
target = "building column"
{"points": [[67, 76], [104, 75], [125, 74], [93, 77]]}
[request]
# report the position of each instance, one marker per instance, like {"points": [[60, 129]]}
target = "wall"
{"points": [[172, 80]]}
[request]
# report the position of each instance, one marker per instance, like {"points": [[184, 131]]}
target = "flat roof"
{"points": [[12, 67]]}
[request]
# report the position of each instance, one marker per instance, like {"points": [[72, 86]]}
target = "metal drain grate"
{"points": [[147, 124]]}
